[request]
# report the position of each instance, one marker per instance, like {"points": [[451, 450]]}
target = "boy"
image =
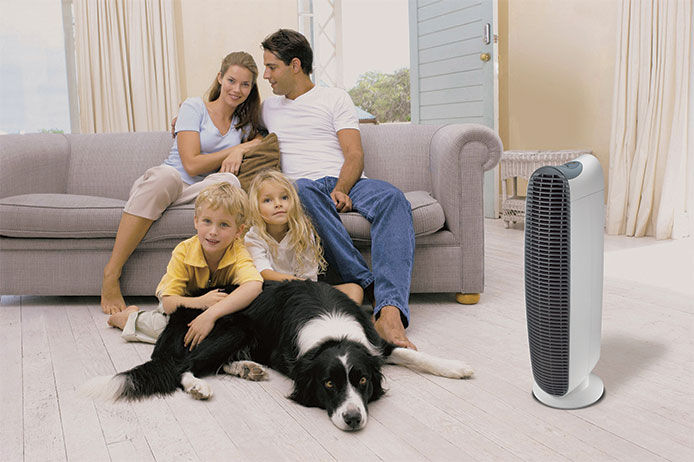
{"points": [[215, 256]]}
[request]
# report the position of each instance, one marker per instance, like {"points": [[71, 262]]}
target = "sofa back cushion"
{"points": [[398, 154], [33, 163], [107, 164]]}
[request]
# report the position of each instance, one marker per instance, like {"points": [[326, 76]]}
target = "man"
{"points": [[318, 132]]}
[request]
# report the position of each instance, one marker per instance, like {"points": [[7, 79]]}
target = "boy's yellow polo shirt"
{"points": [[188, 272]]}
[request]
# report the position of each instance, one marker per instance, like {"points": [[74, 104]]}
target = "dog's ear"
{"points": [[305, 383], [376, 379]]}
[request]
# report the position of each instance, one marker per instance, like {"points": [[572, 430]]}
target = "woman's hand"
{"points": [[210, 298], [198, 329], [232, 162]]}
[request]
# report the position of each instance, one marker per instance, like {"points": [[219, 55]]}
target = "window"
{"points": [[34, 92], [363, 47]]}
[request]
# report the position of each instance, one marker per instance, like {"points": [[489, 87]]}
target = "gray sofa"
{"points": [[61, 198]]}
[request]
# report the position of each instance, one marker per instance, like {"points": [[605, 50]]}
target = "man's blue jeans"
{"points": [[392, 237]]}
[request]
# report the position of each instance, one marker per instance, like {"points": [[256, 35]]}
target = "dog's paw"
{"points": [[248, 370], [198, 389]]}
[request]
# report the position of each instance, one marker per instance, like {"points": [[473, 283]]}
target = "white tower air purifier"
{"points": [[563, 281]]}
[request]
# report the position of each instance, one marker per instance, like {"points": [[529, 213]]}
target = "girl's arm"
{"points": [[272, 275], [239, 299], [171, 302], [196, 163], [260, 252]]}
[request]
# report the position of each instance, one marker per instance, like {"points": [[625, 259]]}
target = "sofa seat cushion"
{"points": [[427, 217], [72, 216], [59, 216]]}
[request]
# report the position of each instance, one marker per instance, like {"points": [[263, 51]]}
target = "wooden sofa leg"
{"points": [[467, 299]]}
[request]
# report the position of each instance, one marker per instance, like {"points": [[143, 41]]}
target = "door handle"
{"points": [[485, 57]]}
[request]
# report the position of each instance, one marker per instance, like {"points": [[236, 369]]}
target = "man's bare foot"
{"points": [[389, 327], [121, 318], [111, 298]]}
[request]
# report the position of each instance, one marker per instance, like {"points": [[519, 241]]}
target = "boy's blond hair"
{"points": [[303, 235], [231, 199]]}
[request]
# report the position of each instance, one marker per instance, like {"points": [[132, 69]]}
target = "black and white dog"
{"points": [[308, 331]]}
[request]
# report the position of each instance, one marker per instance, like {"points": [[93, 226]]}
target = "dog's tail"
{"points": [[430, 364], [155, 377]]}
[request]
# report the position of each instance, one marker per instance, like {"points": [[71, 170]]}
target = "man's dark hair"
{"points": [[288, 44]]}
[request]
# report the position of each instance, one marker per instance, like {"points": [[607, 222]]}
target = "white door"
{"points": [[452, 78]]}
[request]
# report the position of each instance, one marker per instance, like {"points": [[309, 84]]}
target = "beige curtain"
{"points": [[649, 155], [127, 71]]}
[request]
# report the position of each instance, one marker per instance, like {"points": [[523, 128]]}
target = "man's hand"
{"points": [[173, 122], [198, 329], [342, 201], [210, 298]]}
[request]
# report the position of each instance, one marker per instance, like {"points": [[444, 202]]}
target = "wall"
{"points": [[556, 62], [209, 30], [557, 74]]}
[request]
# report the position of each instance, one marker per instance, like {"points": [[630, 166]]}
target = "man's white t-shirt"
{"points": [[307, 127], [284, 262]]}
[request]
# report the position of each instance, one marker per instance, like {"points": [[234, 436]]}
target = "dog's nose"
{"points": [[352, 418]]}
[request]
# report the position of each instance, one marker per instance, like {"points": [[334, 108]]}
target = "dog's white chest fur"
{"points": [[332, 326]]}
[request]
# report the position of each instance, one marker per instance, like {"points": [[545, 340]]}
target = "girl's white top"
{"points": [[285, 259]]}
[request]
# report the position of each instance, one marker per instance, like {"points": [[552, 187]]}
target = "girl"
{"points": [[212, 135], [282, 241]]}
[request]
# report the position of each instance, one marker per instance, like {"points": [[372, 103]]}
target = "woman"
{"points": [[212, 136]]}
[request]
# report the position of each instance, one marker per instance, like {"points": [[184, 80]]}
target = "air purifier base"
{"points": [[587, 393]]}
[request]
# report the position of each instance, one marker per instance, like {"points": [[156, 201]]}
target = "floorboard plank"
{"points": [[119, 425], [43, 434], [11, 384], [80, 422]]}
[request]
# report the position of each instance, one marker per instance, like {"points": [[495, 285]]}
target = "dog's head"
{"points": [[340, 377]]}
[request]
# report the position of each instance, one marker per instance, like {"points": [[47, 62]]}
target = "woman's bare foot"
{"points": [[389, 327], [121, 318], [111, 298]]}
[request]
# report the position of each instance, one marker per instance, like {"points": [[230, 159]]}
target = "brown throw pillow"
{"points": [[265, 155]]}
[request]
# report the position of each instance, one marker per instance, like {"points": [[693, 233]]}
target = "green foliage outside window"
{"points": [[386, 96]]}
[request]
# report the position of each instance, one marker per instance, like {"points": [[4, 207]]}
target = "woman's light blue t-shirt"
{"points": [[193, 116]]}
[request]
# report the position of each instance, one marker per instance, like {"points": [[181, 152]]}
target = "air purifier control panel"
{"points": [[570, 170]]}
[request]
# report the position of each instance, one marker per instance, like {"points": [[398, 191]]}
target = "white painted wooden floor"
{"points": [[52, 345]]}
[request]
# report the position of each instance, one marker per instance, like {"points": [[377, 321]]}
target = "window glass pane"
{"points": [[33, 79], [376, 57]]}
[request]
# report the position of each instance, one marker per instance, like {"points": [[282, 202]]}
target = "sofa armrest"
{"points": [[33, 163], [459, 155]]}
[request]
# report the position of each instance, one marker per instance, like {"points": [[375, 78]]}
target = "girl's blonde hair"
{"points": [[302, 235], [231, 199]]}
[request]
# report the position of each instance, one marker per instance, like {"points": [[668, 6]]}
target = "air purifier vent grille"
{"points": [[547, 274]]}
